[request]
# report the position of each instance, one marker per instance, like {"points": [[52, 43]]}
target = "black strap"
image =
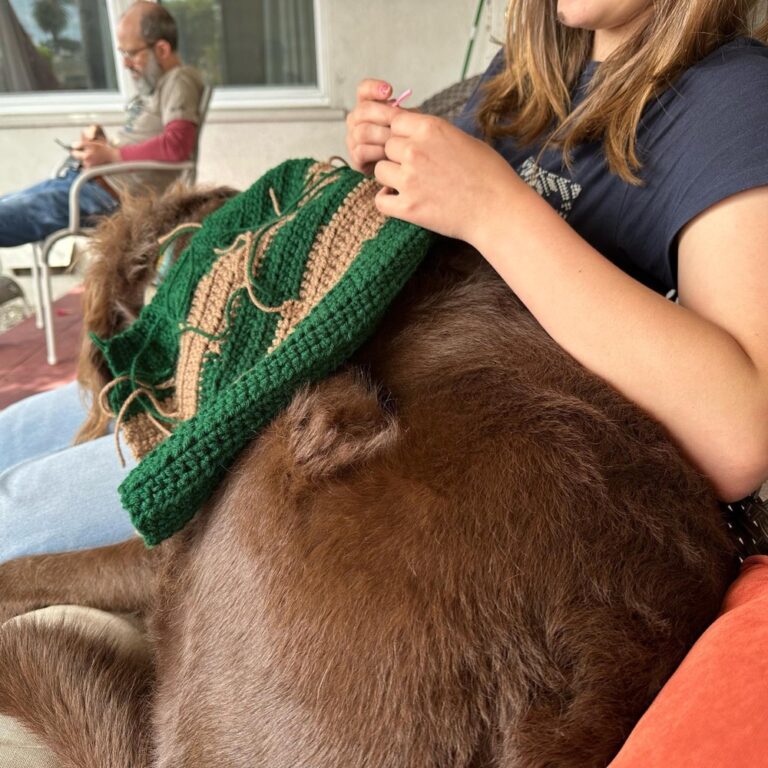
{"points": [[748, 522]]}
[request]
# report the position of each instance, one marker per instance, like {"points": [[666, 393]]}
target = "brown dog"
{"points": [[461, 550]]}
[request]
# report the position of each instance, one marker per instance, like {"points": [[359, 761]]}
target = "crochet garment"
{"points": [[276, 289]]}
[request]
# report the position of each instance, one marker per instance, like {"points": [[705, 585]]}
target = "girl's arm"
{"points": [[699, 367]]}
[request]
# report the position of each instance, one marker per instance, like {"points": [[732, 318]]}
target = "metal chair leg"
{"points": [[36, 291], [47, 305]]}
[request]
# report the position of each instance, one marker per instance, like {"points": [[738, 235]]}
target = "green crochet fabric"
{"points": [[278, 288]]}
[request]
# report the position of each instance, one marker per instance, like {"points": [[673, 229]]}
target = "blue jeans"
{"points": [[55, 497], [36, 212]]}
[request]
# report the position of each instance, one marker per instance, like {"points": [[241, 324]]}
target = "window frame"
{"points": [[224, 97]]}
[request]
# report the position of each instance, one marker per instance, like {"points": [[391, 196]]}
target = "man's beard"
{"points": [[147, 79]]}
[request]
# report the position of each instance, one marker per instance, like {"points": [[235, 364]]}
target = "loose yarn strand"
{"points": [[304, 197], [106, 409], [137, 393], [166, 242], [177, 232], [104, 405], [249, 277], [275, 204], [228, 315], [143, 389]]}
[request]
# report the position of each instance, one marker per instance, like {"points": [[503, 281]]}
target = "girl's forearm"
{"points": [[687, 372]]}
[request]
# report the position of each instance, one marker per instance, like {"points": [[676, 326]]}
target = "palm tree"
{"points": [[51, 16]]}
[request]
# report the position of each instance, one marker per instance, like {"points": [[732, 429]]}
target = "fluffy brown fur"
{"points": [[95, 713], [461, 550]]}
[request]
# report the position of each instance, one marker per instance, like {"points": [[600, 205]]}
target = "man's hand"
{"points": [[93, 153], [93, 133]]}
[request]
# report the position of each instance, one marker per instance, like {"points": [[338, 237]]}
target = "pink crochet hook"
{"points": [[402, 97]]}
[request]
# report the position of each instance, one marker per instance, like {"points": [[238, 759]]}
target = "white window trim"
{"points": [[225, 97]]}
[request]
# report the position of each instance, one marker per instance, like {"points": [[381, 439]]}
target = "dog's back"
{"points": [[464, 550]]}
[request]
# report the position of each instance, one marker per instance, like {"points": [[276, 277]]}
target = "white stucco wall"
{"points": [[418, 45]]}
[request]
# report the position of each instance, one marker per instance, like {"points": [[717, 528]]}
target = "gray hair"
{"points": [[158, 24]]}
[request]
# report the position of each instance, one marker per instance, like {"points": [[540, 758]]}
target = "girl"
{"points": [[641, 124]]}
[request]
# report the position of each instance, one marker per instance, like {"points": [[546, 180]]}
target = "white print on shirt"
{"points": [[558, 191], [133, 109]]}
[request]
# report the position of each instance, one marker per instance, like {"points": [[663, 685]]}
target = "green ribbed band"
{"points": [[243, 386]]}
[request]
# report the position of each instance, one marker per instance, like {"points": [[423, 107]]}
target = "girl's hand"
{"points": [[440, 178], [368, 124]]}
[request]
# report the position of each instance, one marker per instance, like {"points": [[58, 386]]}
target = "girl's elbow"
{"points": [[742, 472]]}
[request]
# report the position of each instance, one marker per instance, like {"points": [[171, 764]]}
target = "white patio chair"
{"points": [[42, 250]]}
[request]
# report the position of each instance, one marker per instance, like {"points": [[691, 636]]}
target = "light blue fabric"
{"points": [[55, 497], [34, 213]]}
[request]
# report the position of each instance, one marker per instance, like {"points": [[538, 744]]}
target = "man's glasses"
{"points": [[135, 52]]}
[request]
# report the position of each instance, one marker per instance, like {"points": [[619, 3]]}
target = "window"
{"points": [[57, 55], [248, 42], [55, 45]]}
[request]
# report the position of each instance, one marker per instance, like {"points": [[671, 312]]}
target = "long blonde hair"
{"points": [[531, 98]]}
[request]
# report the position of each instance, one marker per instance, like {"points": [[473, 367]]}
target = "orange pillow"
{"points": [[712, 711]]}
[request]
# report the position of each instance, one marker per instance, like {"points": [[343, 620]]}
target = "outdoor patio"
{"points": [[23, 367]]}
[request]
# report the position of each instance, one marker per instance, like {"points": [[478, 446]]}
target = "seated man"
{"points": [[162, 123]]}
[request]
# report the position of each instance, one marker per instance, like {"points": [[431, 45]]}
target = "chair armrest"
{"points": [[60, 166], [114, 169]]}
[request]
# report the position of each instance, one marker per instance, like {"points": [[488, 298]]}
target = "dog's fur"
{"points": [[461, 550]]}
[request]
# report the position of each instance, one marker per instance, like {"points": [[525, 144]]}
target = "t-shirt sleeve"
{"points": [[723, 141], [180, 99], [701, 141]]}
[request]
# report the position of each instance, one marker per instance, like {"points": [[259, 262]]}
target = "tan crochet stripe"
{"points": [[334, 250], [141, 435], [313, 176], [208, 308], [208, 314]]}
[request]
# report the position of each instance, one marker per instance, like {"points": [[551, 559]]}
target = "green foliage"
{"points": [[51, 16], [45, 52]]}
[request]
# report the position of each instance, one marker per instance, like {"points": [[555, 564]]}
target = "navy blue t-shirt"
{"points": [[702, 140]]}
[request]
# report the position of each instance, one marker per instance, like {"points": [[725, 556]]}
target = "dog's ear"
{"points": [[344, 422]]}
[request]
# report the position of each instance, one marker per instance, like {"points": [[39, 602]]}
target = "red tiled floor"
{"points": [[23, 367]]}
